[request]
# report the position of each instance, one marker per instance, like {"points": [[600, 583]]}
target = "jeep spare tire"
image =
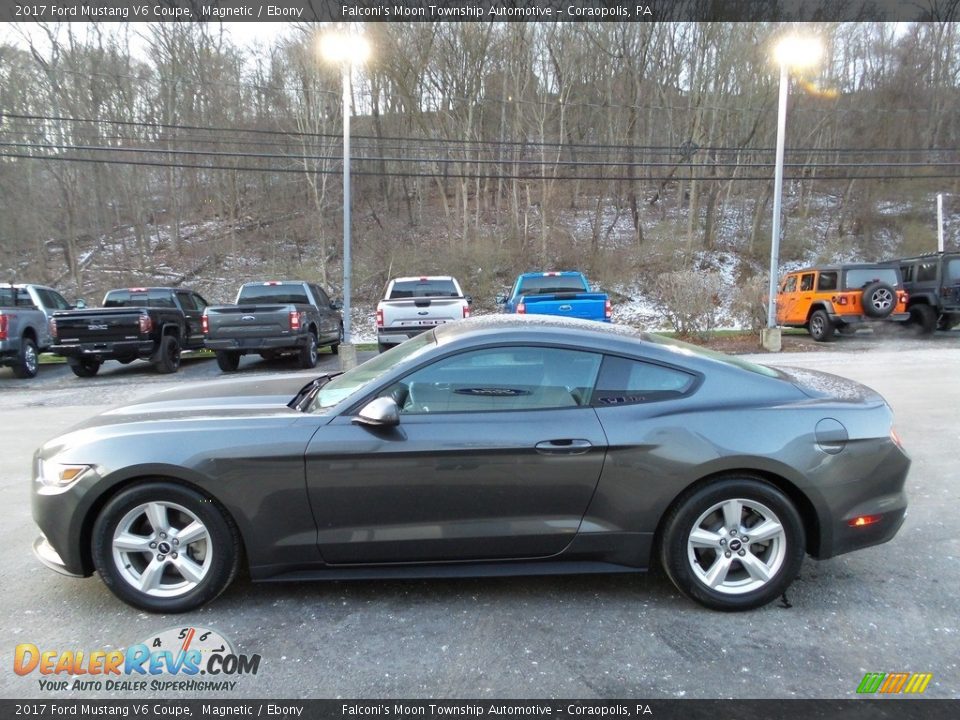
{"points": [[878, 300]]}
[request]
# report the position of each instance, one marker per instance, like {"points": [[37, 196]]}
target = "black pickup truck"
{"points": [[933, 282], [152, 324], [274, 318]]}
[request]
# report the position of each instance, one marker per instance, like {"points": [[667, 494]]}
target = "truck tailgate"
{"points": [[98, 326], [586, 306], [238, 322], [421, 312]]}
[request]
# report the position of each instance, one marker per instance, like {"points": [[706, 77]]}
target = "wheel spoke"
{"points": [[191, 533], [755, 566], [718, 571], [150, 577], [191, 571], [704, 538], [732, 510], [129, 542], [766, 530], [157, 515]]}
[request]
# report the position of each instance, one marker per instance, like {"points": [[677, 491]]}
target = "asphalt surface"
{"points": [[890, 608]]}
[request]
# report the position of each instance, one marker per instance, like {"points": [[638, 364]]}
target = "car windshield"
{"points": [[688, 349], [343, 386], [403, 289], [861, 277], [551, 284]]}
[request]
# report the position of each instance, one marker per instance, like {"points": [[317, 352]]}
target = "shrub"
{"points": [[689, 300], [748, 306]]}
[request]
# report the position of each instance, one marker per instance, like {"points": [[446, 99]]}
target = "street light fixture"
{"points": [[791, 52], [347, 51]]}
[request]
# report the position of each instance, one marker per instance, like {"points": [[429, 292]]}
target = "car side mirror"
{"points": [[382, 412], [501, 299], [469, 299], [336, 305], [80, 304]]}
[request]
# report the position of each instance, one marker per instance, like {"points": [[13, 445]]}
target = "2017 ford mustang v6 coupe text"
{"points": [[500, 445]]}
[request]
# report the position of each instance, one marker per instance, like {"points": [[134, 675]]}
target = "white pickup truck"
{"points": [[412, 305]]}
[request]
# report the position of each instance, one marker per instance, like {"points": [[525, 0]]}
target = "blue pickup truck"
{"points": [[564, 294]]}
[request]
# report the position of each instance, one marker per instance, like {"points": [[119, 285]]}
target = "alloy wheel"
{"points": [[737, 546]]}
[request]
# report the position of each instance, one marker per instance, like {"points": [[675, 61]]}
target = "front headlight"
{"points": [[60, 475]]}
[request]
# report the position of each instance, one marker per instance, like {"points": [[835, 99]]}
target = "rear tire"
{"points": [[84, 368], [168, 355], [307, 357], [383, 348], [190, 573], [820, 327], [228, 360], [923, 318], [335, 348], [704, 554], [28, 361]]}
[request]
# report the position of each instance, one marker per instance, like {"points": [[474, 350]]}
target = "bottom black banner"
{"points": [[872, 709]]}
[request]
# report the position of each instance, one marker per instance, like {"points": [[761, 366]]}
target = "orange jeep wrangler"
{"points": [[841, 297]]}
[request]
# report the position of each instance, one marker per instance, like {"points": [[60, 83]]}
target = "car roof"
{"points": [[148, 289], [844, 266], [417, 278]]}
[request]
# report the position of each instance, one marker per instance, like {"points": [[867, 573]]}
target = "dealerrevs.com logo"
{"points": [[894, 683], [179, 659]]}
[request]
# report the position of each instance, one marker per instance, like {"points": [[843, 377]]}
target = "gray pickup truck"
{"points": [[25, 312], [280, 317]]}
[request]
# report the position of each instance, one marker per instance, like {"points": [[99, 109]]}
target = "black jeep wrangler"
{"points": [[933, 282]]}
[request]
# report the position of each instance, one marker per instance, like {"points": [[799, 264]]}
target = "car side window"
{"points": [[320, 296], [499, 379], [827, 281], [926, 272], [631, 382], [790, 285], [52, 300], [906, 271], [160, 299], [199, 301], [24, 299], [806, 282], [186, 301]]}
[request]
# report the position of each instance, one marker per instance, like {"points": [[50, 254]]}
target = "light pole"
{"points": [[790, 52], [347, 51]]}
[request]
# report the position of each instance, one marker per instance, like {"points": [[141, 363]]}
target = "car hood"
{"points": [[255, 397]]}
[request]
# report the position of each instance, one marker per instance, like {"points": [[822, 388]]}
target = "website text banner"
{"points": [[564, 709], [476, 10]]}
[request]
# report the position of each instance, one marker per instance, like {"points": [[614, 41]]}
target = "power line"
{"points": [[475, 176]]}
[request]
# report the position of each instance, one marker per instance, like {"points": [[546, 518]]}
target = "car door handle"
{"points": [[563, 447]]}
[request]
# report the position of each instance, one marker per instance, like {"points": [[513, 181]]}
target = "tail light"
{"points": [[466, 311], [379, 317], [3, 327], [895, 437], [607, 310], [521, 309], [205, 324], [294, 320], [146, 324], [53, 328], [864, 520], [904, 296]]}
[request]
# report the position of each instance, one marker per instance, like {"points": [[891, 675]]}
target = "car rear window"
{"points": [[861, 277], [548, 285], [127, 298], [7, 297], [282, 293], [422, 288]]}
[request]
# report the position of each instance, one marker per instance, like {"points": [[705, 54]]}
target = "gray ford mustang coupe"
{"points": [[497, 446]]}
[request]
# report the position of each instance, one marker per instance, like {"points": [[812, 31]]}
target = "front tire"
{"points": [[164, 547], [85, 368], [28, 361], [820, 327], [734, 544]]}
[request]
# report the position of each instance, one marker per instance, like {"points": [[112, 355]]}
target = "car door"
{"points": [[496, 456], [193, 313], [329, 322], [786, 299]]}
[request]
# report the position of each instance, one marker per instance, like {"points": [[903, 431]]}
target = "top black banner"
{"points": [[478, 10]]}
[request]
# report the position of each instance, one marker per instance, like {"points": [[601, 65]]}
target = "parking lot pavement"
{"points": [[885, 609]]}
